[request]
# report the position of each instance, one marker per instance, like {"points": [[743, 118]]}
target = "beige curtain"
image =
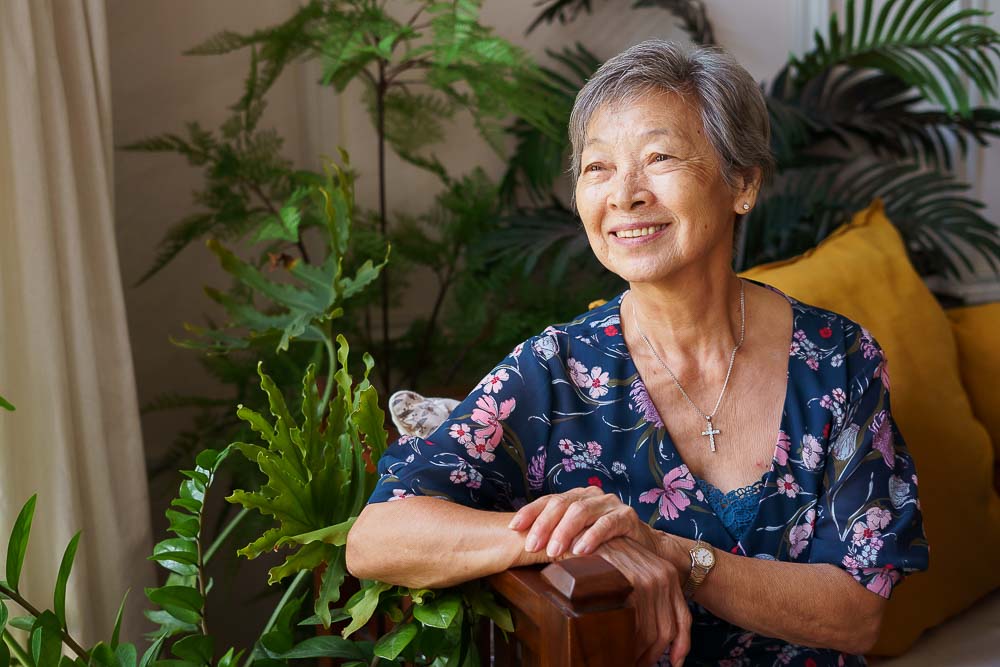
{"points": [[65, 361]]}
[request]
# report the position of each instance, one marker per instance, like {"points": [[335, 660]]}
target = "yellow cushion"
{"points": [[976, 333], [862, 271]]}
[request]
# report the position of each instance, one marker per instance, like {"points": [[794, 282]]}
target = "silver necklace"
{"points": [[710, 431]]}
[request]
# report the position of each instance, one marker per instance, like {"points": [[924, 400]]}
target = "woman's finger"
{"points": [[547, 520], [578, 516], [664, 628], [616, 523], [681, 645], [526, 516]]}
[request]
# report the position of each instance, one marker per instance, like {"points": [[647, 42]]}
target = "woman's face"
{"points": [[648, 164]]}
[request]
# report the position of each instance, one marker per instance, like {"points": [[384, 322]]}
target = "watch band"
{"points": [[698, 571]]}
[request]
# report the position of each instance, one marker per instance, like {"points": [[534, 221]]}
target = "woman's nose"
{"points": [[629, 193]]}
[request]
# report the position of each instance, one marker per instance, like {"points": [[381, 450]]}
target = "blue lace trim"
{"points": [[737, 508]]}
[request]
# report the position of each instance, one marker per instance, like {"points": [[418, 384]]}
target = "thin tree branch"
{"points": [[63, 632]]}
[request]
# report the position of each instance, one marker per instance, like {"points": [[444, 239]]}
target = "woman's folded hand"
{"points": [[662, 617], [580, 520]]}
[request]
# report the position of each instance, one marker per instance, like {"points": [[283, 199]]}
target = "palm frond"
{"points": [[921, 43], [879, 110], [539, 158], [943, 230]]}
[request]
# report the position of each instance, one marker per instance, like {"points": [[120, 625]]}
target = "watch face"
{"points": [[704, 557]]}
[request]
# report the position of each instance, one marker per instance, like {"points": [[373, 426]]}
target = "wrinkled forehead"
{"points": [[650, 113]]}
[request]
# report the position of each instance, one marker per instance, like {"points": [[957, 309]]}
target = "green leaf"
{"points": [[4, 655], [116, 633], [46, 639], [24, 623], [230, 659], [126, 655], [153, 652], [181, 602], [364, 608], [18, 543], [4, 613], [6, 405], [440, 612], [326, 646], [329, 590], [482, 602], [391, 645], [198, 649], [102, 656], [335, 534], [59, 603], [177, 554]]}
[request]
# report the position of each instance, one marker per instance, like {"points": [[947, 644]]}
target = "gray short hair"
{"points": [[732, 106]]}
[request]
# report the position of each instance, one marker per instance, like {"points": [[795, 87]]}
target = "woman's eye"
{"points": [[661, 157], [593, 167]]}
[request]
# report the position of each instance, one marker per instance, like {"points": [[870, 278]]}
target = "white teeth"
{"points": [[632, 233]]}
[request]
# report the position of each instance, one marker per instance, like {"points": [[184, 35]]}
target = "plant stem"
{"points": [[380, 90], [16, 649], [299, 578], [230, 527], [28, 607], [327, 390]]}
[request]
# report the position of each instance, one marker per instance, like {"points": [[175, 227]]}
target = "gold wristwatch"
{"points": [[702, 562]]}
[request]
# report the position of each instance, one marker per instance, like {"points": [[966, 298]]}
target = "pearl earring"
{"points": [[746, 207]]}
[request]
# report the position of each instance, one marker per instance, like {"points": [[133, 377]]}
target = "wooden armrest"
{"points": [[573, 612]]}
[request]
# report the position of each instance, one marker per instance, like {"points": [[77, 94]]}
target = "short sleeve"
{"points": [[478, 456], [868, 518]]}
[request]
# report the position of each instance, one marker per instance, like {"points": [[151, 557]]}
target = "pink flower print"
{"points": [[838, 395], [489, 415], [399, 494], [569, 465], [577, 372], [481, 449], [863, 532], [517, 350], [799, 335], [882, 440], [672, 496], [788, 486], [641, 402], [813, 363], [566, 446], [812, 452], [461, 432], [882, 372], [458, 476], [475, 479], [878, 518], [594, 448], [536, 471], [800, 534], [596, 382], [781, 449], [493, 383], [882, 579], [826, 402]]}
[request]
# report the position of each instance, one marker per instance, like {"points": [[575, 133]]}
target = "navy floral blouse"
{"points": [[567, 408]]}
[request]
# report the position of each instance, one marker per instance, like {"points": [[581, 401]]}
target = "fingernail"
{"points": [[515, 523], [531, 544], [581, 548], [555, 548]]}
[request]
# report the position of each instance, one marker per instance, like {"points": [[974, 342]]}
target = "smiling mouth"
{"points": [[635, 233]]}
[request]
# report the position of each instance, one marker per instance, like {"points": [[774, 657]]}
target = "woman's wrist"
{"points": [[675, 550]]}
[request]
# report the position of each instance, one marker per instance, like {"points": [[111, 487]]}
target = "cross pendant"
{"points": [[711, 433]]}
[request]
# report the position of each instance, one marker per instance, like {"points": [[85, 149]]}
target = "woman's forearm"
{"points": [[813, 605], [432, 543]]}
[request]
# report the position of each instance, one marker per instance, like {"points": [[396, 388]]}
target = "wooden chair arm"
{"points": [[573, 612]]}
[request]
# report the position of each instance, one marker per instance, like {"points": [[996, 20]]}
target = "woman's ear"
{"points": [[747, 189]]}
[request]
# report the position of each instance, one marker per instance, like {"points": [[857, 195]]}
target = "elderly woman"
{"points": [[728, 448]]}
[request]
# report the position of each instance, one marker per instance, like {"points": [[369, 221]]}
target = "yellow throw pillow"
{"points": [[976, 332], [862, 271]]}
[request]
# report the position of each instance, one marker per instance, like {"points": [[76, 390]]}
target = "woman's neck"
{"points": [[695, 321]]}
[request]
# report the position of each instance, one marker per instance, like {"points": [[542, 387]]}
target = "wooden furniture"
{"points": [[572, 612]]}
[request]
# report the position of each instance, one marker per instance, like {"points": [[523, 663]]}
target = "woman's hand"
{"points": [[662, 617], [581, 520]]}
